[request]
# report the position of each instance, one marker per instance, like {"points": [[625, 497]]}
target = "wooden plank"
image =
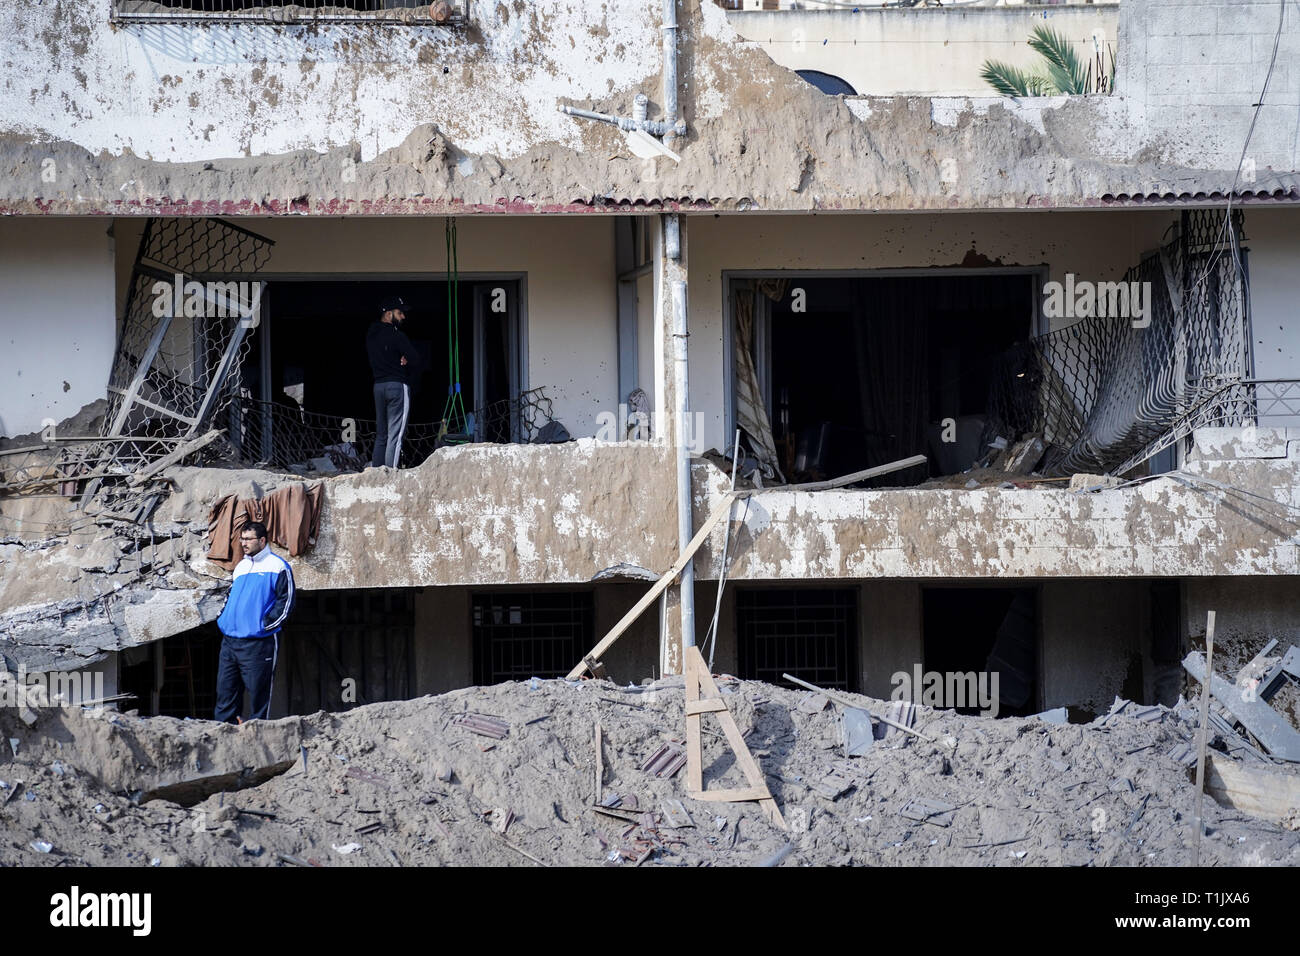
{"points": [[718, 513], [844, 701], [744, 759], [600, 767], [736, 795], [849, 479], [694, 742], [704, 706], [659, 586], [1270, 793], [175, 455], [1200, 737]]}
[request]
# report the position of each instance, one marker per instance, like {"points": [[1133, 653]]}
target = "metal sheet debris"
{"points": [[665, 761], [482, 724], [1265, 724]]}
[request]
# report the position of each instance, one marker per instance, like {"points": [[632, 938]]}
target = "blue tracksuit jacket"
{"points": [[261, 596]]}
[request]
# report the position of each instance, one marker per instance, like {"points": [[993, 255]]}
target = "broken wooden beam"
{"points": [[590, 661], [175, 455]]}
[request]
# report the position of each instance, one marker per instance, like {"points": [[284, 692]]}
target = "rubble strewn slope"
{"points": [[405, 783]]}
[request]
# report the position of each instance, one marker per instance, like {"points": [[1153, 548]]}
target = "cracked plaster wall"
{"points": [[192, 119]]}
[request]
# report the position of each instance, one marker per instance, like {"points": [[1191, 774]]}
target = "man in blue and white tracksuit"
{"points": [[260, 599]]}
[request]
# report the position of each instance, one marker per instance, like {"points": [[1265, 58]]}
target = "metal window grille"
{"points": [[1107, 396], [518, 635], [290, 11], [171, 374], [808, 632], [365, 636]]}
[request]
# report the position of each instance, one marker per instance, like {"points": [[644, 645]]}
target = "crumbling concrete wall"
{"points": [[528, 515], [1165, 527], [246, 119], [489, 515]]}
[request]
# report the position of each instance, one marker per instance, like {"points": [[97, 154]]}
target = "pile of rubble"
{"points": [[514, 775]]}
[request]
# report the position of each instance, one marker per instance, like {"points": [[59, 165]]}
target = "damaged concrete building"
{"points": [[629, 233]]}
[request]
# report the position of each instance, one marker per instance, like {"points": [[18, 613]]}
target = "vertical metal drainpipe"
{"points": [[670, 68], [685, 494]]}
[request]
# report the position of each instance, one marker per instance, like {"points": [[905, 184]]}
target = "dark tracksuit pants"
{"points": [[246, 663], [392, 405]]}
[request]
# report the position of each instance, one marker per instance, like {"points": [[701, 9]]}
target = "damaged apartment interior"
{"points": [[887, 420]]}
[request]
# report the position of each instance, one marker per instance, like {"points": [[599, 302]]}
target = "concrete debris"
{"points": [[1001, 795], [1085, 482], [1024, 456], [813, 703]]}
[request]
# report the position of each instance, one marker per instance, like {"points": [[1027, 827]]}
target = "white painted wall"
{"points": [[195, 91], [925, 51], [572, 333], [1273, 238], [1092, 245], [56, 319]]}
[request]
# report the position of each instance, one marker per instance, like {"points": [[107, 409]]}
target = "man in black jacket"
{"points": [[392, 358]]}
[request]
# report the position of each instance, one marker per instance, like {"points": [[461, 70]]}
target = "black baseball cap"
{"points": [[390, 302]]}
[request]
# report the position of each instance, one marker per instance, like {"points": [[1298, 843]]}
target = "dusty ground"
{"points": [[1027, 793]]}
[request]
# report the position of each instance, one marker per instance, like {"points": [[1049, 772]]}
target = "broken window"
{"points": [[849, 372], [808, 632], [523, 634]]}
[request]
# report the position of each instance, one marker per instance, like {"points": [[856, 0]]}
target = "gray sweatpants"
{"points": [[392, 405]]}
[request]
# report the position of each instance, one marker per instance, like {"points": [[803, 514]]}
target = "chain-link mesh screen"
{"points": [[287, 436], [194, 295], [1104, 391]]}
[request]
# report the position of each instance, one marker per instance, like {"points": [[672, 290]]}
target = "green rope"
{"points": [[454, 419]]}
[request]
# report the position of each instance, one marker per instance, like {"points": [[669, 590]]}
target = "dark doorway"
{"points": [[342, 649], [173, 677], [860, 371], [983, 631], [808, 632], [309, 364]]}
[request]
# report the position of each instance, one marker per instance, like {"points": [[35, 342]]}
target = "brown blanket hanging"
{"points": [[291, 515]]}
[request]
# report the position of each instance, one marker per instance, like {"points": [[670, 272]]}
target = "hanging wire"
{"points": [[455, 423]]}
